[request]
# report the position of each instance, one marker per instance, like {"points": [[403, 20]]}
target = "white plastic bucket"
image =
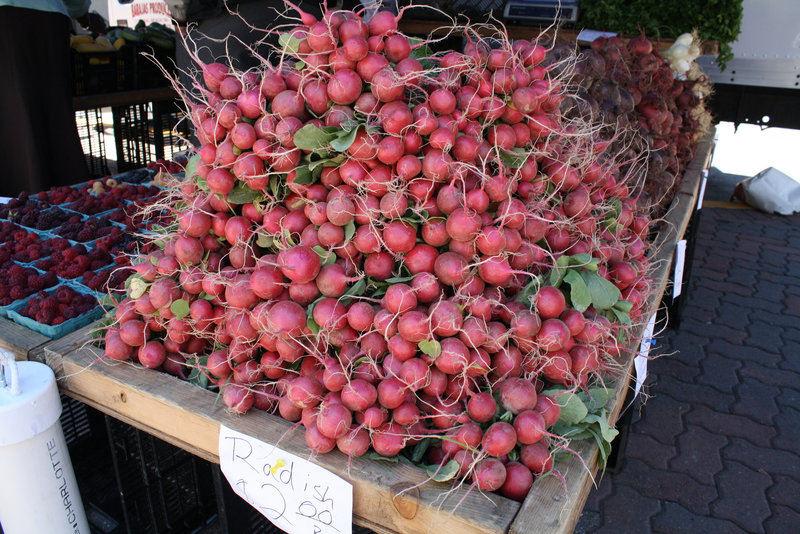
{"points": [[38, 492]]}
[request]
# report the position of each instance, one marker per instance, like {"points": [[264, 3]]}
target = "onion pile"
{"points": [[389, 244]]}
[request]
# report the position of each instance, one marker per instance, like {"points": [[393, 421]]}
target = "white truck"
{"points": [[761, 84], [130, 12]]}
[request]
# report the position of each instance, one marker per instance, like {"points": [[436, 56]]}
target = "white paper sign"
{"points": [[702, 192], [680, 261], [640, 361], [296, 495], [588, 36]]}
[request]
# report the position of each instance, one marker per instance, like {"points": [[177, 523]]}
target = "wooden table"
{"points": [[190, 417], [20, 341]]}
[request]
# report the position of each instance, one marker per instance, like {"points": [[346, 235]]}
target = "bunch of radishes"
{"points": [[390, 244], [631, 84]]}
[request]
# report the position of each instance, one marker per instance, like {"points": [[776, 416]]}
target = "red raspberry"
{"points": [[17, 293]]}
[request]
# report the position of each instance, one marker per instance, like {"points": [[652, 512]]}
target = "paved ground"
{"points": [[716, 447]]}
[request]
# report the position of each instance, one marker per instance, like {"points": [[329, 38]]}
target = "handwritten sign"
{"points": [[296, 495]]}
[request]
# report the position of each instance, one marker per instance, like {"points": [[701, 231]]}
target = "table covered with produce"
{"points": [[426, 270]]}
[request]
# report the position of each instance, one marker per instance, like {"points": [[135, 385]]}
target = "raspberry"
{"points": [[49, 303], [45, 316], [73, 271], [83, 261], [57, 321], [35, 282], [64, 295], [17, 293], [49, 279]]}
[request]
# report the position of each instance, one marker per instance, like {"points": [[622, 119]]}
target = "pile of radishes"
{"points": [[392, 245], [631, 86]]}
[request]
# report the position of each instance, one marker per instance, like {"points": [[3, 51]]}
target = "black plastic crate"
{"points": [[147, 132], [91, 131], [85, 433], [162, 488], [139, 70], [97, 73], [75, 421]]}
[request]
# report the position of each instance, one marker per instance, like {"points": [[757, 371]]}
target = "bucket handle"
{"points": [[9, 374]]}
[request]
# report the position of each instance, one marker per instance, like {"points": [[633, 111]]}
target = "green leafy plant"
{"points": [[719, 20], [584, 415]]}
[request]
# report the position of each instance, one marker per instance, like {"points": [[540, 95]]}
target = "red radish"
{"points": [[553, 335], [499, 439], [530, 426], [389, 439], [517, 395], [518, 482], [481, 407], [490, 474], [355, 443], [299, 264], [550, 302], [557, 367], [333, 420], [536, 457], [237, 398], [359, 395]]}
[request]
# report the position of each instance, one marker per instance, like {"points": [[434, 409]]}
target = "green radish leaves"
{"points": [[514, 159], [196, 375], [191, 166], [604, 293], [314, 138], [321, 140], [580, 295], [430, 347], [443, 473], [289, 43], [180, 308], [242, 194], [344, 139], [584, 415], [584, 287]]}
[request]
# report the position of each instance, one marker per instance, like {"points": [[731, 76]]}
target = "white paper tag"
{"points": [[296, 495], [680, 260], [588, 36], [640, 361], [702, 190]]}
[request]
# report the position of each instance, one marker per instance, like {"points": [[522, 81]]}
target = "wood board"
{"points": [[189, 417], [18, 340]]}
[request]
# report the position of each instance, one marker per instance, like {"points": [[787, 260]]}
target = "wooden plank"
{"points": [[439, 28], [19, 340], [553, 506], [123, 98], [189, 417]]}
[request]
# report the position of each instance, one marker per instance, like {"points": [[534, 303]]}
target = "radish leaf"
{"points": [[430, 347], [579, 294], [604, 293], [180, 308]]}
